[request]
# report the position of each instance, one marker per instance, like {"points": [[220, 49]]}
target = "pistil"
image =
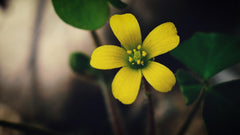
{"points": [[137, 56]]}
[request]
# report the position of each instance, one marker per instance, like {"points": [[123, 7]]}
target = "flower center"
{"points": [[137, 57]]}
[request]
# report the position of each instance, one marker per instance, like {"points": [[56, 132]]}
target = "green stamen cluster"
{"points": [[137, 57]]}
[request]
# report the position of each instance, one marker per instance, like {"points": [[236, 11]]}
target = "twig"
{"points": [[28, 128], [33, 57]]}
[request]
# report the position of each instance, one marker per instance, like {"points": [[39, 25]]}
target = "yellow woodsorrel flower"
{"points": [[135, 57]]}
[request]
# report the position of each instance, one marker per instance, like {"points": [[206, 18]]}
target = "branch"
{"points": [[28, 128]]}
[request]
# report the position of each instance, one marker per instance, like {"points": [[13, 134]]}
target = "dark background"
{"points": [[71, 104]]}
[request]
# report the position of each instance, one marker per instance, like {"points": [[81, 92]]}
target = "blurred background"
{"points": [[38, 87]]}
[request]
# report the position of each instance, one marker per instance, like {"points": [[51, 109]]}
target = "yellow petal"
{"points": [[161, 40], [126, 84], [127, 30], [108, 57], [159, 76]]}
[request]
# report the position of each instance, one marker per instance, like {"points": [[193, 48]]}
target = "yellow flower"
{"points": [[136, 57]]}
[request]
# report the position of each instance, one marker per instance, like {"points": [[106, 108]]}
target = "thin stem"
{"points": [[151, 130], [96, 38], [191, 115], [110, 104], [112, 110], [28, 128], [36, 98]]}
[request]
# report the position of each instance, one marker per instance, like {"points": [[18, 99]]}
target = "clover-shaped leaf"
{"points": [[221, 110], [190, 87], [208, 53], [83, 14]]}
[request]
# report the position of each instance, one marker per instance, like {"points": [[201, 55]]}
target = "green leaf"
{"points": [[80, 64], [118, 4], [208, 53], [190, 87], [221, 110], [83, 14]]}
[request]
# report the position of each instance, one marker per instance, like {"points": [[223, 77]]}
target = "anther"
{"points": [[144, 53], [129, 51], [132, 63], [139, 47], [134, 50], [142, 63], [130, 59], [138, 62]]}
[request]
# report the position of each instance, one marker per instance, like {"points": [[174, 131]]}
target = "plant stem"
{"points": [[191, 115], [151, 130], [95, 38], [28, 128], [112, 109]]}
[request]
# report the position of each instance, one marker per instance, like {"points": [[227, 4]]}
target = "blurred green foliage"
{"points": [[85, 14], [118, 4], [80, 64]]}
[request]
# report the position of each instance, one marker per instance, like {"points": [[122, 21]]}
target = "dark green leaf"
{"points": [[83, 14], [118, 4], [190, 87], [208, 53], [221, 111], [80, 64]]}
